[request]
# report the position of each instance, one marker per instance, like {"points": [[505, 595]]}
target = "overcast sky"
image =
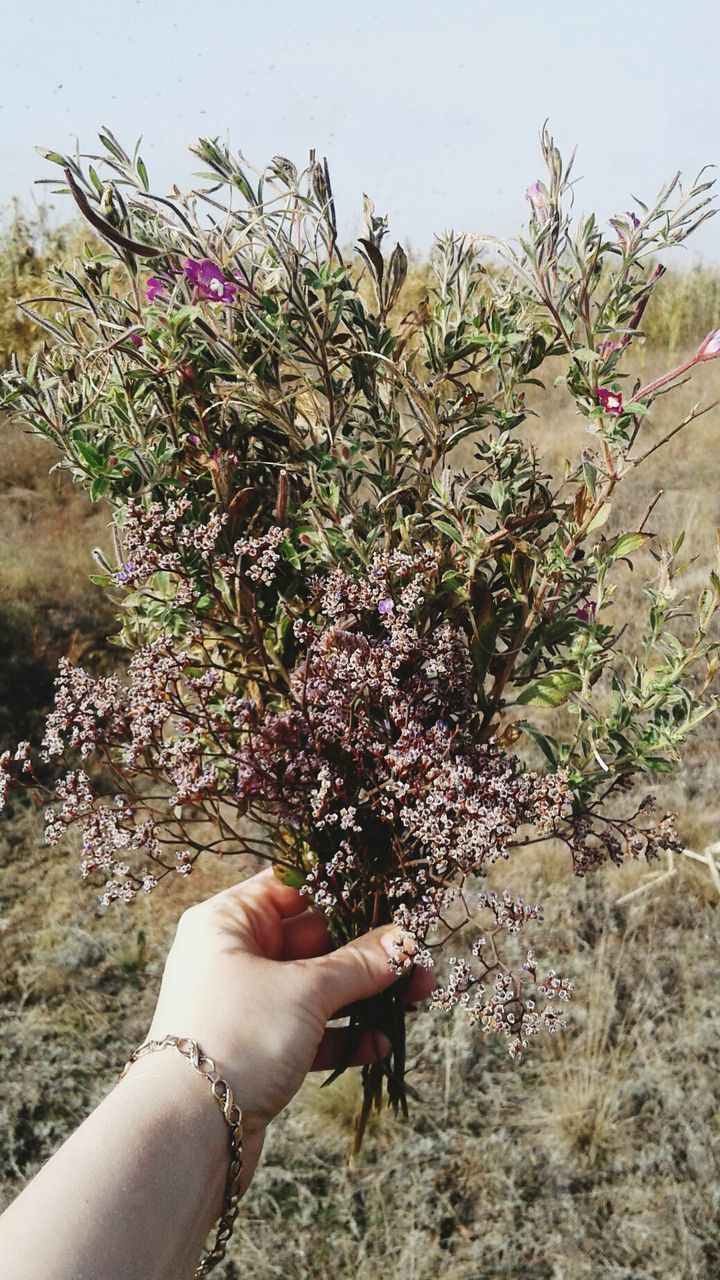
{"points": [[434, 109]]}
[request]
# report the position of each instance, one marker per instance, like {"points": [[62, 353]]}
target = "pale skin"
{"points": [[135, 1190]]}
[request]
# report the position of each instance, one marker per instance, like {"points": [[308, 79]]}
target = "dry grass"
{"points": [[48, 606]]}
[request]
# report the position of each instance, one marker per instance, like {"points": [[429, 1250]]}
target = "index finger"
{"points": [[265, 890]]}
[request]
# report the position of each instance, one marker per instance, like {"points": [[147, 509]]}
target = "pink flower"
{"points": [[710, 348], [135, 339], [209, 281], [154, 288], [538, 197], [609, 401]]}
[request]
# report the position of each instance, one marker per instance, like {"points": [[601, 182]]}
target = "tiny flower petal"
{"points": [[192, 271], [154, 288]]}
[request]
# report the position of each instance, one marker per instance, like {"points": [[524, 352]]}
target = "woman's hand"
{"points": [[135, 1190], [251, 977]]}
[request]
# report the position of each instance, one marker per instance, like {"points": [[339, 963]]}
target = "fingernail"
{"points": [[400, 946]]}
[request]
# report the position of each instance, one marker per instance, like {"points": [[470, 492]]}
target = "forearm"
{"points": [[133, 1192]]}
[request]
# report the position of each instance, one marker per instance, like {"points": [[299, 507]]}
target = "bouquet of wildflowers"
{"points": [[355, 605]]}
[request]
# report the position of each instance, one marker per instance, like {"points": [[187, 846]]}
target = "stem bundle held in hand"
{"points": [[350, 592]]}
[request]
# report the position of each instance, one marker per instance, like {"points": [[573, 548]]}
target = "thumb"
{"points": [[362, 968]]}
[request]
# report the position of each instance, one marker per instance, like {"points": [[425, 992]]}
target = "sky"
{"points": [[433, 109]]}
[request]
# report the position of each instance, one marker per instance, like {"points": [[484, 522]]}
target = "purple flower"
{"points": [[154, 288], [135, 339], [609, 401], [125, 575], [194, 440], [587, 611], [209, 281], [386, 606]]}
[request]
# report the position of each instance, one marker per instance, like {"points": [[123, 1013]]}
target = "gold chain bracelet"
{"points": [[222, 1093]]}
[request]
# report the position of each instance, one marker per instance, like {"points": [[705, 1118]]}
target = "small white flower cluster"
{"points": [[86, 708], [507, 1010], [263, 554], [154, 537]]}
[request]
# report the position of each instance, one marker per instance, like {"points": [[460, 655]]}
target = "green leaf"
{"points": [[599, 518], [590, 476], [624, 545], [86, 452], [551, 690], [547, 744], [485, 625], [288, 552], [53, 156], [113, 146], [451, 530], [99, 488], [498, 493], [657, 764]]}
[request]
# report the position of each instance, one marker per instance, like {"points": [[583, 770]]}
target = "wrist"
{"points": [[174, 1098], [179, 1094]]}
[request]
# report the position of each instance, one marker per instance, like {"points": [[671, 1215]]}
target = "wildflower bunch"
{"points": [[357, 607]]}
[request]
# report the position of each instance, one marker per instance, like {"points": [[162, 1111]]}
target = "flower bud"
{"points": [[710, 348]]}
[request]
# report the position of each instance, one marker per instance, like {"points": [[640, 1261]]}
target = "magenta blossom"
{"points": [[209, 281], [609, 401], [154, 288], [710, 348], [587, 611], [135, 339]]}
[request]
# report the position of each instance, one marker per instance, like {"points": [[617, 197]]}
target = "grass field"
{"points": [[596, 1158]]}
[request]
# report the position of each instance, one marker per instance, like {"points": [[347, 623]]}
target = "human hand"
{"points": [[252, 978]]}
